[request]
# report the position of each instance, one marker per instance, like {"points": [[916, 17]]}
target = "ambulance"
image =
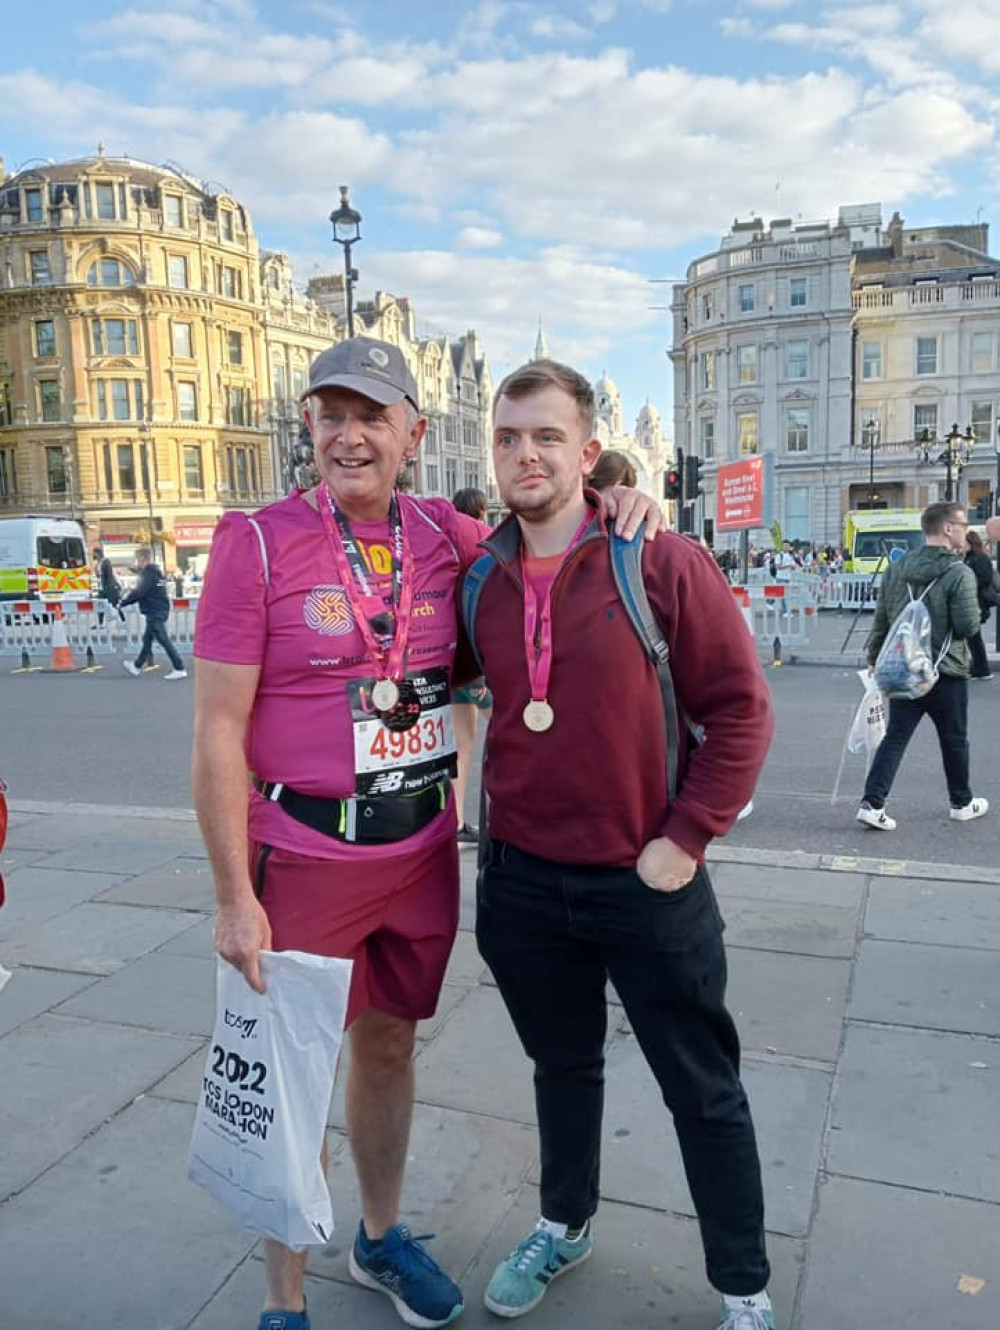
{"points": [[875, 537], [43, 558]]}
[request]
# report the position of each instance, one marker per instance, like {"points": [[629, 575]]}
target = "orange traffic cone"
{"points": [[62, 656]]}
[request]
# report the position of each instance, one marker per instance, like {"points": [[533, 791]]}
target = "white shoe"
{"points": [[129, 668], [977, 808], [745, 811], [176, 674], [876, 817]]}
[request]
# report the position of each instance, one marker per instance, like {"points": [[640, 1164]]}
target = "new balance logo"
{"points": [[386, 782]]}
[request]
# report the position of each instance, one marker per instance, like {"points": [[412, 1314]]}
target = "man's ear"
{"points": [[415, 440], [591, 452]]}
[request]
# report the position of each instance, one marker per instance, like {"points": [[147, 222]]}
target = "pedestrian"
{"points": [[612, 468], [325, 634], [978, 560], [471, 700], [108, 586], [591, 872], [936, 572], [150, 594]]}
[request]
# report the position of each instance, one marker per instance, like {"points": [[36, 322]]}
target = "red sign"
{"points": [[740, 495], [193, 533]]}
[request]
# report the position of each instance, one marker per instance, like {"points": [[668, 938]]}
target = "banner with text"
{"points": [[743, 494]]}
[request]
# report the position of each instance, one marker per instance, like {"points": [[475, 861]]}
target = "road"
{"points": [[106, 738]]}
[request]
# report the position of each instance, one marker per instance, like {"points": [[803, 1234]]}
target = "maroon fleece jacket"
{"points": [[593, 789]]}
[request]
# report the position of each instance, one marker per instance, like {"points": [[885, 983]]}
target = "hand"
{"points": [[628, 507], [664, 866], [242, 931]]}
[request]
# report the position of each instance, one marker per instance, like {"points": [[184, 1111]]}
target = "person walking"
{"points": [[150, 594], [591, 870], [108, 586], [978, 560], [936, 573]]}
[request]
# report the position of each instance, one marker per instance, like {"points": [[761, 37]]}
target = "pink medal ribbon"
{"points": [[538, 715]]}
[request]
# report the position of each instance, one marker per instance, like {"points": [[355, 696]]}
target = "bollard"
{"points": [[776, 647], [91, 667]]}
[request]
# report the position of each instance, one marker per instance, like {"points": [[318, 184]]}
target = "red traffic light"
{"points": [[673, 480]]}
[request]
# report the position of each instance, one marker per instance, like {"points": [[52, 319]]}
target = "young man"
{"points": [[326, 635], [150, 594], [937, 572], [591, 871]]}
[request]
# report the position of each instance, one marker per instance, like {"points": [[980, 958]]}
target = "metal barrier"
{"points": [[781, 610], [26, 626]]}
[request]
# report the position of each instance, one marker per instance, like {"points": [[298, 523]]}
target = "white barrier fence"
{"points": [[26, 627], [828, 591], [781, 610]]}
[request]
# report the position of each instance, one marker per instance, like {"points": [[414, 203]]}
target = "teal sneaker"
{"points": [[520, 1282], [746, 1318]]}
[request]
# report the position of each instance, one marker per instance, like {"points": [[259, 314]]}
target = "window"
{"points": [[707, 359], [177, 271], [706, 436], [33, 205], [982, 352], [45, 337], [431, 472], [194, 480], [229, 284], [41, 272], [797, 435], [119, 399], [797, 360], [173, 210], [982, 421], [450, 476], [298, 381], [49, 397], [109, 272], [927, 355], [280, 382], [235, 340], [746, 299], [871, 360], [187, 401], [237, 403], [8, 474], [746, 364], [706, 306], [242, 474], [796, 525], [105, 195], [109, 471], [226, 224], [797, 293], [925, 417], [126, 466], [183, 345], [114, 337], [746, 431], [55, 470]]}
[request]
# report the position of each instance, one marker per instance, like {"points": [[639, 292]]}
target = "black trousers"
{"points": [[156, 631], [553, 934], [947, 704], [979, 662]]}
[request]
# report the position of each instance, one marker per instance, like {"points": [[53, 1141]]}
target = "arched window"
{"points": [[110, 272]]}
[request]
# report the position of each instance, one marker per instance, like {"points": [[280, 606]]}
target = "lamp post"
{"points": [[147, 466], [874, 429], [347, 232], [954, 453]]}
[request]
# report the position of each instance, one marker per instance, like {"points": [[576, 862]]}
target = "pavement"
{"points": [[867, 997], [837, 638]]}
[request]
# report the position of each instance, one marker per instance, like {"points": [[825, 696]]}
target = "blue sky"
{"points": [[522, 160]]}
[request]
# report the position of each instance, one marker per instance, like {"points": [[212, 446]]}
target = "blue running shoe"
{"points": [[398, 1266], [284, 1320], [746, 1318], [520, 1282]]}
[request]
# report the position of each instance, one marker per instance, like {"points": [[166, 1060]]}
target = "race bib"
{"points": [[403, 761]]}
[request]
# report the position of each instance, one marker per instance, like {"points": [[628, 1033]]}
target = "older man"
{"points": [[325, 642]]}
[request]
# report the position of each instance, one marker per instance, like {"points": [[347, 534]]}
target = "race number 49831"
{"points": [[425, 738]]}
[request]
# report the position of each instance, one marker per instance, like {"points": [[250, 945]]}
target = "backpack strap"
{"points": [[472, 588]]}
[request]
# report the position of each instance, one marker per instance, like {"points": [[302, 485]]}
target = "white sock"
{"points": [[760, 1302], [550, 1226]]}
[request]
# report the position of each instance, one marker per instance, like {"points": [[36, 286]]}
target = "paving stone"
{"points": [[70, 1076], [807, 886], [887, 1256], [182, 884], [641, 1160], [913, 1108], [942, 988], [175, 993], [466, 967], [183, 1084], [463, 1173], [196, 940], [792, 1005], [39, 892], [124, 854], [647, 1272], [948, 914], [38, 831], [93, 938], [237, 1305], [807, 930], [115, 1236], [30, 992], [451, 996]]}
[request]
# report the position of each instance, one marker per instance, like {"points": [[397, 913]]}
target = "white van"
{"points": [[43, 558]]}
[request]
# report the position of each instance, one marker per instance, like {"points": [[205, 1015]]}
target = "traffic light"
{"points": [[692, 479], [673, 479]]}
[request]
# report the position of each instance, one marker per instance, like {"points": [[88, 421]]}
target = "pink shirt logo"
{"points": [[328, 610]]}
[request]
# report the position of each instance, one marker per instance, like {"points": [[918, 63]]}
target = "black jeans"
{"points": [[979, 664], [156, 631], [947, 704], [553, 934]]}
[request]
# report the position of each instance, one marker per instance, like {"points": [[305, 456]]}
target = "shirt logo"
{"points": [[328, 610]]}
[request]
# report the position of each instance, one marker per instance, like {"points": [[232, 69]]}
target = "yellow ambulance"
{"points": [[43, 558], [872, 535]]}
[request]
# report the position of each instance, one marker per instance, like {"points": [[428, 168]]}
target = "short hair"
{"points": [[539, 374], [144, 552], [472, 502], [97, 552], [937, 515], [612, 468]]}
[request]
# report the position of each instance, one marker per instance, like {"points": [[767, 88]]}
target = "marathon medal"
{"points": [[405, 711], [385, 695], [538, 716]]}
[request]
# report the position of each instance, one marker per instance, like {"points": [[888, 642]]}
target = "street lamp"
{"points": [[955, 452], [874, 429], [347, 232], [147, 466]]}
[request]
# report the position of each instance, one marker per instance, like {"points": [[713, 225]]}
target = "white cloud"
{"points": [[478, 237], [553, 27]]}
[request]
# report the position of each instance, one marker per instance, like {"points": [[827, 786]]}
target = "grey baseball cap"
{"points": [[377, 370]]}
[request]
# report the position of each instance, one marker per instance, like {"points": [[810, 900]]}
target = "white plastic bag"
{"points": [[266, 1092], [868, 727], [906, 667]]}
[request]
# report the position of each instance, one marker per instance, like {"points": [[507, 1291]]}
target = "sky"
{"points": [[516, 161]]}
